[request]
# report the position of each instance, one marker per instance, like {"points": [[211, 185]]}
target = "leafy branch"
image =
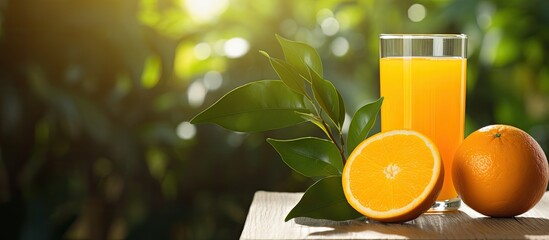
{"points": [[301, 95]]}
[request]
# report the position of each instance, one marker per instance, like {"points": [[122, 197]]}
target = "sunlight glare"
{"points": [[205, 10], [346, 124]]}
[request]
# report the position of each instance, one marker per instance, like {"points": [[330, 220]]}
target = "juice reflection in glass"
{"points": [[422, 78]]}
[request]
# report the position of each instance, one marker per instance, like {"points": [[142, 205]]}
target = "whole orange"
{"points": [[500, 171]]}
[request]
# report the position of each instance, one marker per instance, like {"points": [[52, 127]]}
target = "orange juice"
{"points": [[426, 94]]}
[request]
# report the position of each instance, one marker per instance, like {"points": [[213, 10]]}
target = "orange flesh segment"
{"points": [[392, 174]]}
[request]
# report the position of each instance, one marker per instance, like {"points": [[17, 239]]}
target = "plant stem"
{"points": [[342, 150], [340, 147]]}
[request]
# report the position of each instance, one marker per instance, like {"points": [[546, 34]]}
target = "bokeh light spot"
{"points": [[485, 10], [340, 46], [202, 51], [196, 94], [235, 139], [236, 47], [329, 26], [185, 130], [213, 80], [323, 14], [417, 12], [489, 46]]}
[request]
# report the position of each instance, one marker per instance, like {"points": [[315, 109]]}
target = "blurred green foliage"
{"points": [[95, 97]]}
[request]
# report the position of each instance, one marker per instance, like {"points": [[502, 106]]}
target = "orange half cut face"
{"points": [[393, 176]]}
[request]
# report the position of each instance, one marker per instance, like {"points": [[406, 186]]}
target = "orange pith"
{"points": [[500, 171], [393, 176]]}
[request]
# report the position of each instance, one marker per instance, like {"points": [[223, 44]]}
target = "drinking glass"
{"points": [[422, 78]]}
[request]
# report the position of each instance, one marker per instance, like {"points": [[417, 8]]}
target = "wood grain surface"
{"points": [[268, 209]]}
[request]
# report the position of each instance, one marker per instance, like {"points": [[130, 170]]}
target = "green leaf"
{"points": [[315, 120], [287, 74], [328, 98], [324, 200], [256, 106], [362, 123], [310, 156], [301, 55]]}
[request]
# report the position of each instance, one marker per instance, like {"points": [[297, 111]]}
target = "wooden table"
{"points": [[266, 221]]}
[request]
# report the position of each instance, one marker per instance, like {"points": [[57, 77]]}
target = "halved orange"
{"points": [[393, 176]]}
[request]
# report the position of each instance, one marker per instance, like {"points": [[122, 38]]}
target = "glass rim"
{"points": [[422, 36]]}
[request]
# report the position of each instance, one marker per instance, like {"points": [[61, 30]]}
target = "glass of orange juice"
{"points": [[422, 78]]}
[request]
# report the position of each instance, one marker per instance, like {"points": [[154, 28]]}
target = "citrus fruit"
{"points": [[500, 171], [393, 176]]}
